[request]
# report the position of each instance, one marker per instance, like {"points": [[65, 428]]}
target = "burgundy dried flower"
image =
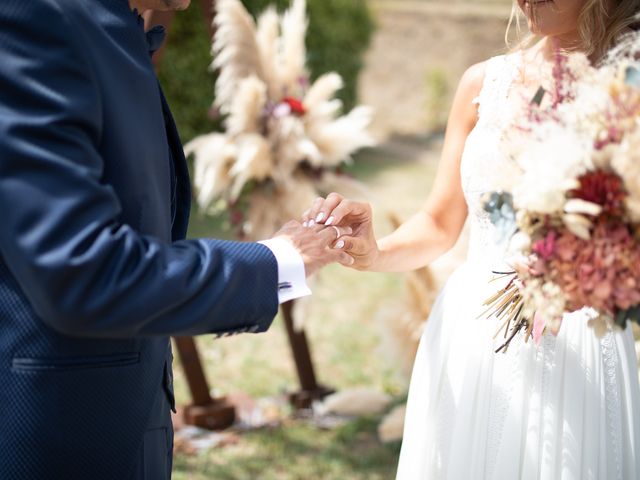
{"points": [[602, 188]]}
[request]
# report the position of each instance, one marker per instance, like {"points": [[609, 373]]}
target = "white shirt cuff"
{"points": [[292, 278]]}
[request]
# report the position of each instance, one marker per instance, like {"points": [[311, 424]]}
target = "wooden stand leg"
{"points": [[204, 412], [310, 390]]}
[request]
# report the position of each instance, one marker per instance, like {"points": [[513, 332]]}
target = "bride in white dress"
{"points": [[567, 409]]}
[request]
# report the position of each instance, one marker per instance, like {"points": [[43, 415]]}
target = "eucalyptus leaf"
{"points": [[502, 214], [633, 314], [632, 75], [621, 318], [538, 97]]}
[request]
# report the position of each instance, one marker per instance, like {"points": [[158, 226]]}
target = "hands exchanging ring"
{"points": [[333, 230], [336, 211], [316, 244]]}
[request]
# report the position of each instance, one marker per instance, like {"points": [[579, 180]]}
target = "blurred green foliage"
{"points": [[339, 33], [184, 73]]}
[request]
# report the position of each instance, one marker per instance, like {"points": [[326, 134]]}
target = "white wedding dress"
{"points": [[568, 409]]}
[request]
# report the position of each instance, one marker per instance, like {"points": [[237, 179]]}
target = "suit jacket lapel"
{"points": [[181, 198]]}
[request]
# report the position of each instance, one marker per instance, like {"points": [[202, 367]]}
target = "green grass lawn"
{"points": [[296, 452]]}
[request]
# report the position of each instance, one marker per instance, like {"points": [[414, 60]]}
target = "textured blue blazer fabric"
{"points": [[94, 272]]}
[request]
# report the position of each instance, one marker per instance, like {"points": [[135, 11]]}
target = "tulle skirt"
{"points": [[567, 409]]}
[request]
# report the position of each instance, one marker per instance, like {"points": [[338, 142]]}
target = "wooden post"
{"points": [[204, 412], [310, 390]]}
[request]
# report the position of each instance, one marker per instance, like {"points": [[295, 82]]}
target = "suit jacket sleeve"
{"points": [[85, 273]]}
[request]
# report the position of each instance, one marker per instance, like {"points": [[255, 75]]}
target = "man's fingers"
{"points": [[330, 234], [352, 245]]}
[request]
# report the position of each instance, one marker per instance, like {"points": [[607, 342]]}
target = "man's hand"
{"points": [[315, 244], [335, 210]]}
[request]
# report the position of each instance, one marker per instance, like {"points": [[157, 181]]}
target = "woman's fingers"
{"points": [[320, 211], [332, 233], [345, 259], [325, 214], [351, 209]]}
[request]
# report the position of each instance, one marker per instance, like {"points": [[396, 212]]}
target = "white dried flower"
{"points": [[550, 169], [577, 224], [520, 242], [579, 206]]}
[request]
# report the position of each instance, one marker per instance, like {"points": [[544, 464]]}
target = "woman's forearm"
{"points": [[415, 244]]}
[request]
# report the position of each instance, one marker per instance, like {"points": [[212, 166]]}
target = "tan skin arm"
{"points": [[432, 230]]}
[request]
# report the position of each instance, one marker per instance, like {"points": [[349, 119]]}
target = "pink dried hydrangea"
{"points": [[603, 273]]}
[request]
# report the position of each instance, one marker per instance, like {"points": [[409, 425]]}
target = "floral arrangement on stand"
{"points": [[285, 138], [572, 214]]}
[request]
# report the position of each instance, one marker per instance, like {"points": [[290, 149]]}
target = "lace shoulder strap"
{"points": [[500, 72]]}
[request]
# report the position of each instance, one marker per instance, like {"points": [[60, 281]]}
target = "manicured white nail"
{"points": [[320, 217], [312, 223], [305, 224], [340, 245], [330, 220]]}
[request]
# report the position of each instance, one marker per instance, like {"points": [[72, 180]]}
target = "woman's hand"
{"points": [[335, 210]]}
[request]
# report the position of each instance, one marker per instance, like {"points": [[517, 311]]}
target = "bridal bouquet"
{"points": [[285, 136], [573, 212]]}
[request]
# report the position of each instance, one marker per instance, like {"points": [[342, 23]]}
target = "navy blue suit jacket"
{"points": [[94, 272]]}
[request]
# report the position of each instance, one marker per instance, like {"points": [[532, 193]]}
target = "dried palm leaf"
{"points": [[323, 90], [323, 113], [289, 144], [214, 158], [235, 50], [292, 64], [247, 107], [337, 140], [253, 162], [268, 36]]}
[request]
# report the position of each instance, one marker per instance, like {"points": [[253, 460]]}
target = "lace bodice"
{"points": [[483, 156]]}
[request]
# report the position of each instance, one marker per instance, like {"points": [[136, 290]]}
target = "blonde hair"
{"points": [[599, 26]]}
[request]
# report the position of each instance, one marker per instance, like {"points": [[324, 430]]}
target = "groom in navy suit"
{"points": [[95, 274]]}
